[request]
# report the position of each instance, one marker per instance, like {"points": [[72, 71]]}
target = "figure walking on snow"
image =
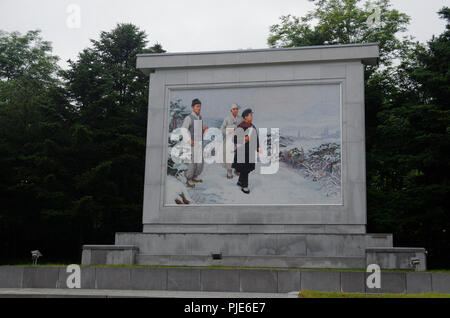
{"points": [[247, 142], [194, 168], [228, 128]]}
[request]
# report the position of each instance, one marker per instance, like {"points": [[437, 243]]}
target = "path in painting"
{"points": [[287, 186]]}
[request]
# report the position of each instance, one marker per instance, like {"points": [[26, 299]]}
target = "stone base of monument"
{"points": [[218, 280], [313, 250]]}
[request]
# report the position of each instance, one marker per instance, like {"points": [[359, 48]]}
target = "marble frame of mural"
{"points": [[341, 65]]}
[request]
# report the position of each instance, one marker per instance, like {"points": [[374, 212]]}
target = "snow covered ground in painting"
{"points": [[287, 186]]}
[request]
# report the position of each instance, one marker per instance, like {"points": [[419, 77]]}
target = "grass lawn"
{"points": [[317, 294]]}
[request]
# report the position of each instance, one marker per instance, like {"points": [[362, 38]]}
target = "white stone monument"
{"points": [[310, 213]]}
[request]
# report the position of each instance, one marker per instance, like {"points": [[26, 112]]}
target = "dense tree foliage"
{"points": [[408, 167], [407, 117], [344, 22], [72, 143]]}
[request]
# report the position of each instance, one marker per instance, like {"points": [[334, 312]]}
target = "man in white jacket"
{"points": [[231, 121], [194, 168]]}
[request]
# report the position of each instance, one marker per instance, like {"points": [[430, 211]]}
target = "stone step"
{"points": [[252, 261], [254, 228], [275, 245]]}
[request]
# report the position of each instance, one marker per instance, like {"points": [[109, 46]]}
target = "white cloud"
{"points": [[180, 25]]}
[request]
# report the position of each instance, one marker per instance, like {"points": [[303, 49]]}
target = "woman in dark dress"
{"points": [[246, 135]]}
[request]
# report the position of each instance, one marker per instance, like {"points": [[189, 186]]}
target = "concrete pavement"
{"points": [[108, 293]]}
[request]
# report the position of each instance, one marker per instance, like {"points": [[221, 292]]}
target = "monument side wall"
{"points": [[351, 213]]}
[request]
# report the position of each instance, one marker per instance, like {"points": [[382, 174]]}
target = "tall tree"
{"points": [[34, 120], [348, 22], [413, 183], [344, 22], [72, 143], [111, 96], [406, 116]]}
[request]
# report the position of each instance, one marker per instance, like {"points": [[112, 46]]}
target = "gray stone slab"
{"points": [[121, 257], [291, 245], [113, 277], [205, 244], [62, 278], [253, 261], [40, 277], [238, 244], [120, 247], [245, 228], [262, 244], [159, 244], [365, 52], [98, 257], [11, 276], [353, 282], [220, 280], [259, 281], [379, 240], [441, 282], [88, 278], [417, 283], [109, 254], [321, 281], [391, 260], [148, 278], [86, 257], [396, 257], [394, 283], [335, 245], [288, 281], [183, 279]]}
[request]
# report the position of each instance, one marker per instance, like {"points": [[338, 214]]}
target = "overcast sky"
{"points": [[179, 25]]}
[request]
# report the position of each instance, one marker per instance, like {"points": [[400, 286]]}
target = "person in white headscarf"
{"points": [[231, 121]]}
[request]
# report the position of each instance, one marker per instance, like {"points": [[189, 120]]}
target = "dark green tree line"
{"points": [[407, 117], [72, 143]]}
